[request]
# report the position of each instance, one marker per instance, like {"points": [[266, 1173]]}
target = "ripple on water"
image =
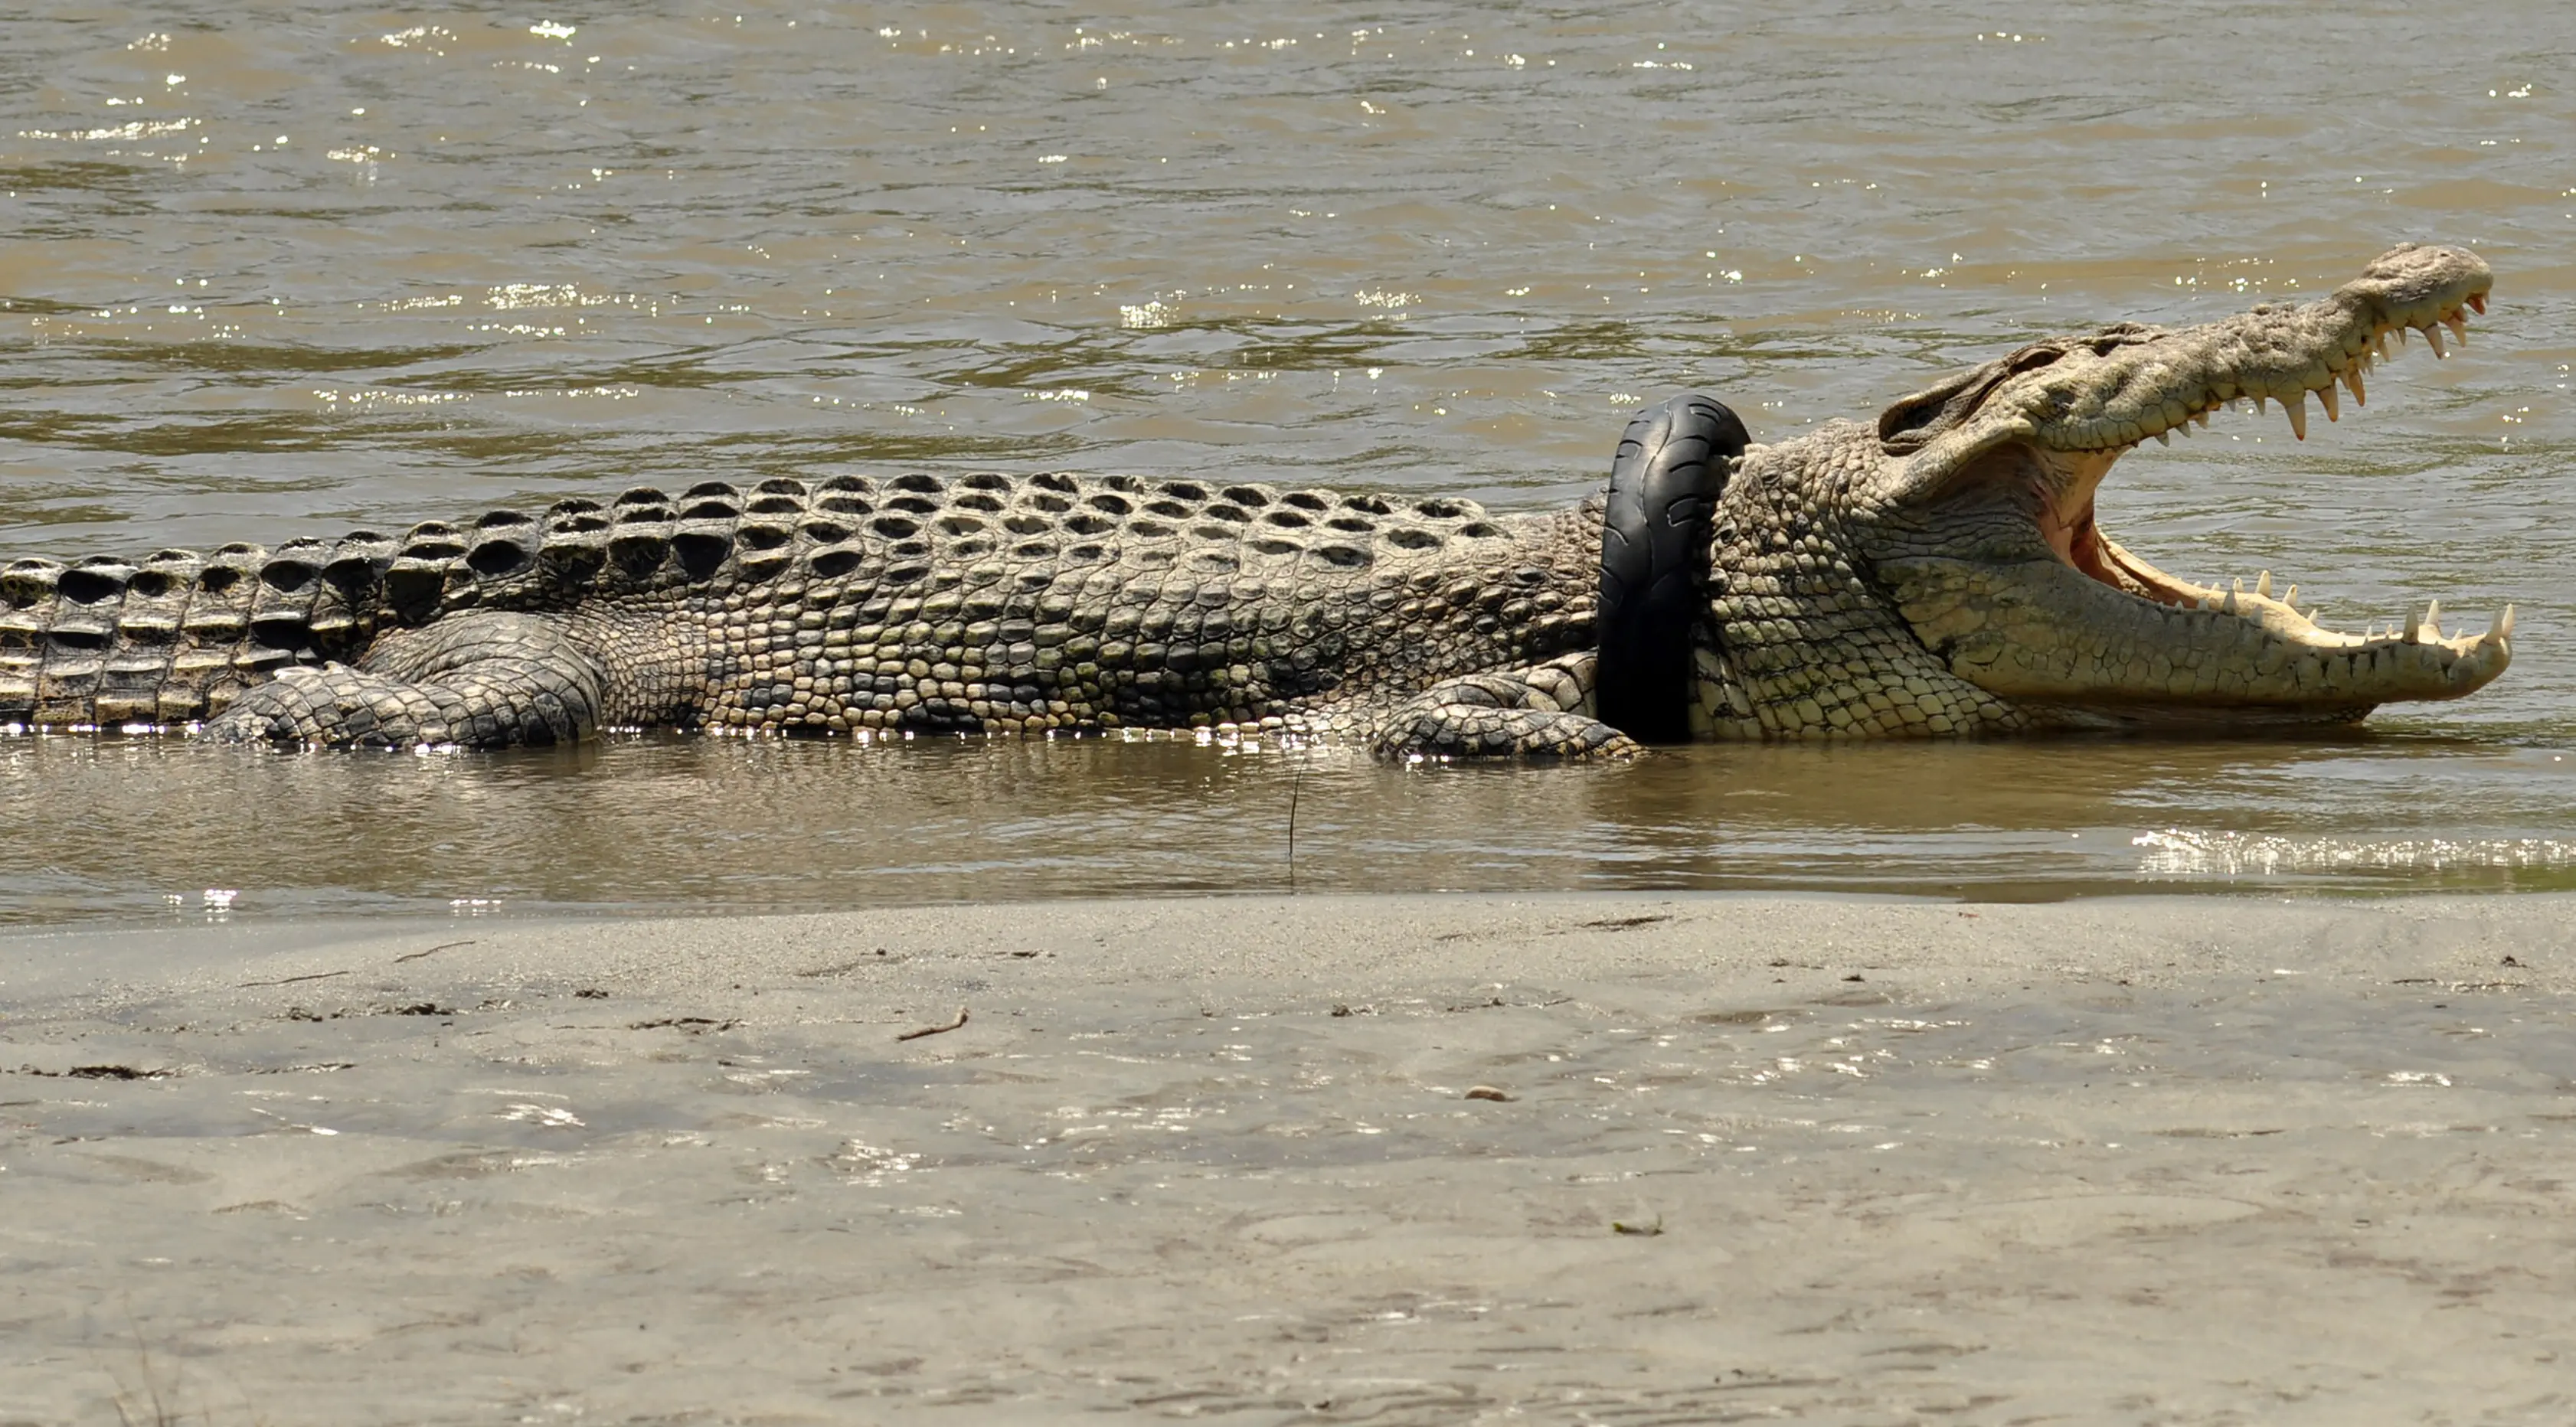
{"points": [[2175, 852]]}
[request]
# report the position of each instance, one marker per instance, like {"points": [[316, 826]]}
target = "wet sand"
{"points": [[2190, 1160]]}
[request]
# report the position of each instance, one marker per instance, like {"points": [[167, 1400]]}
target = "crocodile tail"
{"points": [[1672, 464], [173, 637]]}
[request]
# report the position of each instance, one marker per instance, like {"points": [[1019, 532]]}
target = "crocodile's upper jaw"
{"points": [[1994, 553]]}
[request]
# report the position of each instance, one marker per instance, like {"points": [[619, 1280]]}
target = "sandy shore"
{"points": [[2150, 1161]]}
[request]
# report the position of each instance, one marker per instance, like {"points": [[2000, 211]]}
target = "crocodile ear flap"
{"points": [[1916, 419]]}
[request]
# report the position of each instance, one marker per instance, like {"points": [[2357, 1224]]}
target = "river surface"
{"points": [[320, 267]]}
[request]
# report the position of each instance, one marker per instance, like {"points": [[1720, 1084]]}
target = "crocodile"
{"points": [[1938, 572]]}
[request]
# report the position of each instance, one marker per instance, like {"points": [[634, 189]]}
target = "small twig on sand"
{"points": [[291, 980], [1296, 781], [936, 1030], [433, 951], [161, 1414]]}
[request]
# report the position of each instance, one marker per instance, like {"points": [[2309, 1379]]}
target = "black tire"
{"points": [[1673, 462]]}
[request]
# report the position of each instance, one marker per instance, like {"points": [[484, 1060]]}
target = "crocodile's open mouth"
{"points": [[2101, 631], [2067, 519]]}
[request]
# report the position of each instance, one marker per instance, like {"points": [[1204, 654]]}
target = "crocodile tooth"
{"points": [[2459, 327], [2290, 596], [2326, 399], [2228, 606], [2502, 629], [2414, 628], [2263, 584], [2163, 440], [2433, 617], [2478, 300], [2433, 339], [2352, 379], [2295, 407]]}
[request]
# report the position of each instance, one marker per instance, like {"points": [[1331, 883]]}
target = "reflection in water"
{"points": [[319, 268], [668, 822]]}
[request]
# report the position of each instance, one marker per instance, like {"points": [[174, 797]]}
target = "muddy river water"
{"points": [[320, 267]]}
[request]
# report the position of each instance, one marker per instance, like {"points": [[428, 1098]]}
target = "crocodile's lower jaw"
{"points": [[2316, 674]]}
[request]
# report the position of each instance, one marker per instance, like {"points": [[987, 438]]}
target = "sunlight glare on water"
{"points": [[289, 274]]}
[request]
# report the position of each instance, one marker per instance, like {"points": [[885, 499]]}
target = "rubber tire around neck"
{"points": [[1673, 462]]}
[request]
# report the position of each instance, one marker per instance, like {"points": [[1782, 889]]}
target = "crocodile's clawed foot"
{"points": [[332, 706], [1539, 712], [470, 681]]}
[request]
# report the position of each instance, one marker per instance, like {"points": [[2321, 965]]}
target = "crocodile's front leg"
{"points": [[477, 680], [1542, 710]]}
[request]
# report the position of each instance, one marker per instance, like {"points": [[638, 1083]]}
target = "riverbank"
{"points": [[1401, 1159]]}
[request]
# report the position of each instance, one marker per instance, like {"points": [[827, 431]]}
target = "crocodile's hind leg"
{"points": [[479, 680], [1541, 711]]}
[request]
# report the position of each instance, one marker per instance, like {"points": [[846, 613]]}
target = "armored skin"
{"points": [[1938, 572]]}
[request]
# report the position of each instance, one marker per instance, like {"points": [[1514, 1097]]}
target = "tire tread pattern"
{"points": [[1673, 463]]}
